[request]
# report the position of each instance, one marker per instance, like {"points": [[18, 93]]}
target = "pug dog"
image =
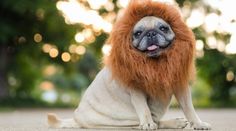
{"points": [[151, 60]]}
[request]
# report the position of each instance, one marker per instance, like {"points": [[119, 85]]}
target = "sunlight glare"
{"points": [[74, 12]]}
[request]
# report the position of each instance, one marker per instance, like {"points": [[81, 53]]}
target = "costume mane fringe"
{"points": [[157, 77]]}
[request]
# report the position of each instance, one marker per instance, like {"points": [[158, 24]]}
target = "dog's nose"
{"points": [[152, 37], [151, 34]]}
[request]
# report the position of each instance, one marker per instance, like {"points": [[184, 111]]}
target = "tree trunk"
{"points": [[4, 92]]}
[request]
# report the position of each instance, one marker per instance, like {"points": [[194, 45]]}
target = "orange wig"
{"points": [[158, 77]]}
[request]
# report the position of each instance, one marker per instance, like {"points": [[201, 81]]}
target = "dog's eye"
{"points": [[164, 28], [137, 34]]}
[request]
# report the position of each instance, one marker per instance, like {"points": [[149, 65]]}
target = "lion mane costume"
{"points": [[169, 73]]}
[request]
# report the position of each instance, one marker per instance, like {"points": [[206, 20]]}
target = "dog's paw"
{"points": [[201, 126], [148, 126], [180, 123]]}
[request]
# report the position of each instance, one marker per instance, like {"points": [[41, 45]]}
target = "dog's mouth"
{"points": [[155, 50]]}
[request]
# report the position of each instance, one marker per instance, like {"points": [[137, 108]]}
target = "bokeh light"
{"points": [[96, 4], [46, 48], [21, 39], [53, 52], [79, 37], [211, 22], [66, 57], [87, 33], [106, 49], [80, 50], [72, 48], [12, 81], [231, 47], [49, 70], [122, 3], [46, 85], [212, 42], [199, 45], [230, 76], [50, 96], [196, 18], [38, 37], [72, 9]]}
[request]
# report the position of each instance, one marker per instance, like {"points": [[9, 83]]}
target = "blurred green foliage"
{"points": [[23, 62], [22, 59]]}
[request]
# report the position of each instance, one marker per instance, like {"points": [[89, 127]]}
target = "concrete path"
{"points": [[35, 119]]}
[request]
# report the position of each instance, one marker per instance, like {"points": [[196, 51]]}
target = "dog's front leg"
{"points": [[185, 100], [139, 101]]}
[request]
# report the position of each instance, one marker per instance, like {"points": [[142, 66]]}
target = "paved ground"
{"points": [[35, 119]]}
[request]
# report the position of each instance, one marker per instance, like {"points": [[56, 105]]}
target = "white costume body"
{"points": [[108, 104]]}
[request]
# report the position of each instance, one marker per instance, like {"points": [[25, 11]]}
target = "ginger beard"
{"points": [[160, 65]]}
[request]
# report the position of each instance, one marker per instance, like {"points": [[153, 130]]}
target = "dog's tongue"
{"points": [[152, 47]]}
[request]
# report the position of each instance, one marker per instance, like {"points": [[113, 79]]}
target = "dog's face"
{"points": [[152, 35]]}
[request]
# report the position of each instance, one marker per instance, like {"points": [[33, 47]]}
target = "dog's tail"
{"points": [[55, 122]]}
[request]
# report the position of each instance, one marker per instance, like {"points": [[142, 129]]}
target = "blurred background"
{"points": [[51, 50]]}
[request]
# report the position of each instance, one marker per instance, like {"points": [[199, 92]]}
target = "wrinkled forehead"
{"points": [[149, 22]]}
